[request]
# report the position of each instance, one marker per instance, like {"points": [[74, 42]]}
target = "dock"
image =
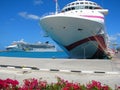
{"points": [[76, 70]]}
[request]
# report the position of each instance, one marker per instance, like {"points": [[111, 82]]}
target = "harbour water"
{"points": [[60, 54]]}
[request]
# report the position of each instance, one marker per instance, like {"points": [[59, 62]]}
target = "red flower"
{"points": [[94, 84], [11, 82], [66, 88], [105, 87]]}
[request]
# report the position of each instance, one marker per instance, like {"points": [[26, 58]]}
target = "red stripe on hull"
{"points": [[98, 38]]}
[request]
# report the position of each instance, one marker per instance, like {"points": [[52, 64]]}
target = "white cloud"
{"points": [[28, 16], [23, 14], [35, 17], [112, 38], [118, 34], [38, 2]]}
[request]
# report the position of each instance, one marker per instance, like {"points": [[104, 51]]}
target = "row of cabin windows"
{"points": [[82, 3], [81, 7]]}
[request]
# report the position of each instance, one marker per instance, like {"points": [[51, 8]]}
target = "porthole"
{"points": [[80, 29]]}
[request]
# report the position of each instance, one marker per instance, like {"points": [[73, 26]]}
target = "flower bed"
{"points": [[61, 84]]}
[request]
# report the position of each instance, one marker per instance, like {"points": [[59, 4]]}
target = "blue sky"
{"points": [[19, 19]]}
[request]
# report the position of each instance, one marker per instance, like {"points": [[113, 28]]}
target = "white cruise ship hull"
{"points": [[79, 37]]}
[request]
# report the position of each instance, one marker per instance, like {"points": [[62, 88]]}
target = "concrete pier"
{"points": [[76, 70]]}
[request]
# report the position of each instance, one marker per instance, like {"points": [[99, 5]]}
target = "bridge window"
{"points": [[94, 3], [72, 3], [81, 3], [90, 7], [86, 7], [91, 3], [86, 2], [73, 8], [69, 9], [66, 10]]}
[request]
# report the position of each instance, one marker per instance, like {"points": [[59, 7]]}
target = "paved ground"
{"points": [[77, 70], [66, 64]]}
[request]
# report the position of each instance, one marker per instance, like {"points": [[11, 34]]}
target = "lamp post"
{"points": [[84, 53]]}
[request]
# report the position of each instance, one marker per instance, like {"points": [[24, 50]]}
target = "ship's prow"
{"points": [[79, 29]]}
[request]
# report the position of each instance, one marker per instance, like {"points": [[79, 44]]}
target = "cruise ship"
{"points": [[79, 29], [37, 47]]}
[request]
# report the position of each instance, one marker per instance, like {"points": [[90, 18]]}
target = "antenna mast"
{"points": [[56, 1]]}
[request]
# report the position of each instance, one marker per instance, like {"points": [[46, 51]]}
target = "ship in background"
{"points": [[37, 47], [79, 29]]}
